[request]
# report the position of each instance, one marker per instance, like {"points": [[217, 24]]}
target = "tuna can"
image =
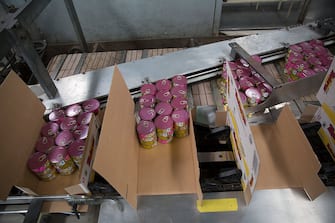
{"points": [[180, 123], [61, 160], [164, 125], [64, 138], [179, 103], [146, 132], [148, 89], [147, 101], [45, 144], [326, 60], [84, 118], [163, 108], [56, 116], [305, 45], [316, 42], [50, 129], [265, 90], [76, 151], [68, 123], [147, 114], [253, 95], [39, 164], [243, 72], [295, 48], [81, 132], [320, 51], [91, 105], [179, 80], [313, 61], [163, 85], [246, 83], [73, 110], [164, 96], [179, 91]]}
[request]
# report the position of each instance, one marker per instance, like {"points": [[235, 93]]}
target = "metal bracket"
{"points": [[281, 92]]}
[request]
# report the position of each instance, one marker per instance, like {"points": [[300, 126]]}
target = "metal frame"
{"points": [[197, 64], [76, 24], [13, 34]]}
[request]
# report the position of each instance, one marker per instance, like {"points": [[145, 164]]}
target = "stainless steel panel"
{"points": [[285, 205], [96, 83]]}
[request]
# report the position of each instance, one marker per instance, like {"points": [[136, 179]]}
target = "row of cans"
{"points": [[253, 89], [307, 59], [60, 147], [163, 111], [163, 128]]}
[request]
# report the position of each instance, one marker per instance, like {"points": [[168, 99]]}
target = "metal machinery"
{"points": [[196, 64]]}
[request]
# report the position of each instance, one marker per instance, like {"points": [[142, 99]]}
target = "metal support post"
{"points": [[24, 47], [34, 211], [76, 24]]}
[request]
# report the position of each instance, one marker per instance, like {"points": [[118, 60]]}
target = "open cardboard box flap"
{"points": [[132, 170], [287, 159]]}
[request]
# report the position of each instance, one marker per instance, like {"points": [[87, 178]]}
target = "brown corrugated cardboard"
{"points": [[21, 118], [286, 157], [274, 155], [132, 170]]}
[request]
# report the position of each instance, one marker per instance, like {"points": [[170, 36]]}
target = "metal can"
{"points": [[147, 101], [265, 90], [76, 151], [164, 125], [147, 114], [180, 123], [64, 138], [148, 89], [163, 108], [179, 80], [61, 160], [91, 105], [163, 85], [179, 91], [45, 144], [254, 96], [179, 103], [69, 123], [146, 132], [73, 110], [39, 164], [84, 118], [50, 129], [243, 72], [164, 96], [56, 116], [246, 82], [81, 132]]}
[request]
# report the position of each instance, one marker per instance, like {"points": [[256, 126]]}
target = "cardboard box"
{"points": [[134, 171], [326, 113], [327, 130], [21, 118], [271, 156], [326, 93]]}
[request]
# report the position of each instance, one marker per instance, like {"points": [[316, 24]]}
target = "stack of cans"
{"points": [[61, 145], [307, 59], [253, 89], [163, 112]]}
